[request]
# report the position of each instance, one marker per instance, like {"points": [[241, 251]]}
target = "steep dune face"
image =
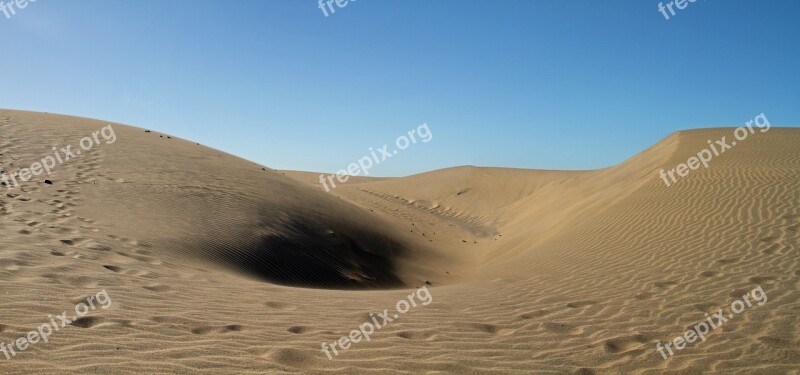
{"points": [[560, 271], [733, 203], [532, 207], [524, 207], [200, 204]]}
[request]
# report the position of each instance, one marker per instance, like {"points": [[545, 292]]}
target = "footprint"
{"points": [[112, 268], [579, 304], [563, 328], [297, 329], [415, 335], [535, 314], [292, 357], [72, 242], [226, 329], [665, 284], [202, 330], [624, 344], [486, 328], [158, 288], [88, 321], [96, 246]]}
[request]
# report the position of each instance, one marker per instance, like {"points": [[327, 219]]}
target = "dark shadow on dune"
{"points": [[301, 254]]}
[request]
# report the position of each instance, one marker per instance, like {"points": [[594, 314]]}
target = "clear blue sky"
{"points": [[531, 84]]}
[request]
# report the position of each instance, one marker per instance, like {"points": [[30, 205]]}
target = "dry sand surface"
{"points": [[216, 264]]}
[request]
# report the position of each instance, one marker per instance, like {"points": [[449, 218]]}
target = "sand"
{"points": [[216, 264]]}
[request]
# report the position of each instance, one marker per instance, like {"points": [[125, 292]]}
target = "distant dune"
{"points": [[218, 265]]}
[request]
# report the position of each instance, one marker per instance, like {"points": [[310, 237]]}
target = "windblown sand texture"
{"points": [[218, 265]]}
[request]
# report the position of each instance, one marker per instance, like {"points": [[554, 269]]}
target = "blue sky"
{"points": [[528, 84]]}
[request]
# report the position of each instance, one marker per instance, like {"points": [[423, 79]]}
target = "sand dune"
{"points": [[218, 265]]}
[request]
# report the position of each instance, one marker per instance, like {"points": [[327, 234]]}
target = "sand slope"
{"points": [[209, 258]]}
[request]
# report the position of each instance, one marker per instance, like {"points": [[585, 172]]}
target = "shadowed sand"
{"points": [[219, 265]]}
